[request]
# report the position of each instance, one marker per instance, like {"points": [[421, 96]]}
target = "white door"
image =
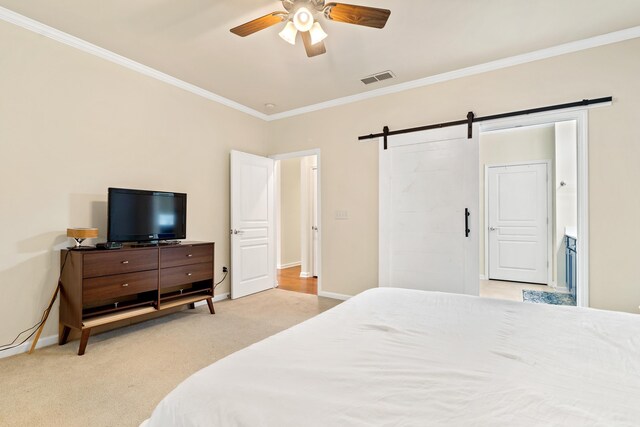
{"points": [[428, 182], [518, 222], [252, 224], [314, 222]]}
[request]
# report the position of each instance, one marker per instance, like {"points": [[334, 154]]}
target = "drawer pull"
{"points": [[188, 274], [189, 255], [125, 262], [124, 285]]}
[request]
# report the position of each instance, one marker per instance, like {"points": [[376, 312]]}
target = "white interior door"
{"points": [[252, 224], [518, 217], [314, 222], [428, 181]]}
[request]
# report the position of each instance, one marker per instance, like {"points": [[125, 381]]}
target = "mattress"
{"points": [[397, 357]]}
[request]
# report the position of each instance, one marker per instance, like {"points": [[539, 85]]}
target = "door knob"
{"points": [[238, 232], [492, 228]]}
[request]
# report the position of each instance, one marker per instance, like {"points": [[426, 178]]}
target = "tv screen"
{"points": [[143, 216]]}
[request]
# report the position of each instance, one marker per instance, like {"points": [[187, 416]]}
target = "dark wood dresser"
{"points": [[100, 287]]}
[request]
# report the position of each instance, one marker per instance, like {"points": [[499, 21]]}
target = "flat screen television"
{"points": [[146, 216]]}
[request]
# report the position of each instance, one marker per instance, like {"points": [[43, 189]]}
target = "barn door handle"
{"points": [[466, 222]]}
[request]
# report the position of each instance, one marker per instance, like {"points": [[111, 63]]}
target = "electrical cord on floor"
{"points": [[225, 276], [45, 314]]}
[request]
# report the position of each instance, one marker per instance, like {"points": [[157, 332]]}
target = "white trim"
{"points": [[83, 45], [305, 274], [305, 153], [53, 339], [277, 182], [550, 227], [23, 348], [288, 265], [333, 295], [576, 46], [581, 116], [483, 277], [62, 37]]}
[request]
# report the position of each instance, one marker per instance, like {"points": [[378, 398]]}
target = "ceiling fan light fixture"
{"points": [[303, 19], [317, 33], [289, 33]]}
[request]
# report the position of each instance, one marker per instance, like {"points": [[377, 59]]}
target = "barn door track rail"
{"points": [[471, 118]]}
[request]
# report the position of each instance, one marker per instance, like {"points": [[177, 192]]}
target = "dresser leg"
{"points": [[84, 338], [64, 335], [192, 306], [210, 304]]}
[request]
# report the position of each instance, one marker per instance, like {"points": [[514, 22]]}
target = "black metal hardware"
{"points": [[466, 222], [386, 133], [470, 117]]}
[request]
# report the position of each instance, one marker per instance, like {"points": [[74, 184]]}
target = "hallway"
{"points": [[289, 280]]}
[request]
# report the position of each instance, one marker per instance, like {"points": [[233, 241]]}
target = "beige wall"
{"points": [[72, 125], [350, 168], [512, 146], [290, 211]]}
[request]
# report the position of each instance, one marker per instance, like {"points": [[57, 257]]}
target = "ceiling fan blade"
{"points": [[312, 49], [358, 15], [259, 24]]}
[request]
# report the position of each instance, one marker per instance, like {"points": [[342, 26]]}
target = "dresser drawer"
{"points": [[118, 285], [120, 261], [185, 255], [185, 274]]}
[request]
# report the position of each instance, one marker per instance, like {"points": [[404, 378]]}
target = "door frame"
{"points": [[549, 214], [581, 116], [293, 155]]}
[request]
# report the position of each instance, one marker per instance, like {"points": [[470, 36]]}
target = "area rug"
{"points": [[542, 297]]}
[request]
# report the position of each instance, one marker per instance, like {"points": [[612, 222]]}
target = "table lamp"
{"points": [[80, 234]]}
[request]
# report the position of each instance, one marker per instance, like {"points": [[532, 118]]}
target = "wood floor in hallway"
{"points": [[289, 279]]}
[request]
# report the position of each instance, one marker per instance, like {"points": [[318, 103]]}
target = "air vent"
{"points": [[384, 75]]}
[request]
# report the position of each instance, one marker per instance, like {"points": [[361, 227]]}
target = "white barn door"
{"points": [[252, 224], [428, 181]]}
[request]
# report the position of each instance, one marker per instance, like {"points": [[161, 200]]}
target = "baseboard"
{"points": [[216, 298], [333, 295], [53, 339], [483, 277], [23, 348], [288, 265], [305, 274]]}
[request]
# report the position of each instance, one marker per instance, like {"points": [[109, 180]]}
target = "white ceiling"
{"points": [[190, 40]]}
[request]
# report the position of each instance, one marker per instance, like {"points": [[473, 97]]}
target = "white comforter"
{"points": [[397, 357]]}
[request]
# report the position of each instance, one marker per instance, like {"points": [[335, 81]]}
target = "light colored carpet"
{"points": [[126, 372]]}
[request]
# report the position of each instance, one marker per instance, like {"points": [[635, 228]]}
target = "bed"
{"points": [[398, 357]]}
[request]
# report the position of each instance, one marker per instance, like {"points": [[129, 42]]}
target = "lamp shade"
{"points": [[289, 33], [317, 33], [82, 233]]}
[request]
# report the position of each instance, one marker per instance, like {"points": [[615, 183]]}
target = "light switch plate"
{"points": [[340, 214]]}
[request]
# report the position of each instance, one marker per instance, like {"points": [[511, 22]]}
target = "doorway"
{"points": [[531, 191], [298, 221]]}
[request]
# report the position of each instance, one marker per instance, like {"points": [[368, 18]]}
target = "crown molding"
{"points": [[605, 39], [83, 45], [62, 37]]}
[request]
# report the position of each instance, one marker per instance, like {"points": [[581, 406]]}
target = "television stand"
{"points": [[102, 287]]}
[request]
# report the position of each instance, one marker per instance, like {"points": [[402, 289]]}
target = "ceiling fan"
{"points": [[301, 16]]}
